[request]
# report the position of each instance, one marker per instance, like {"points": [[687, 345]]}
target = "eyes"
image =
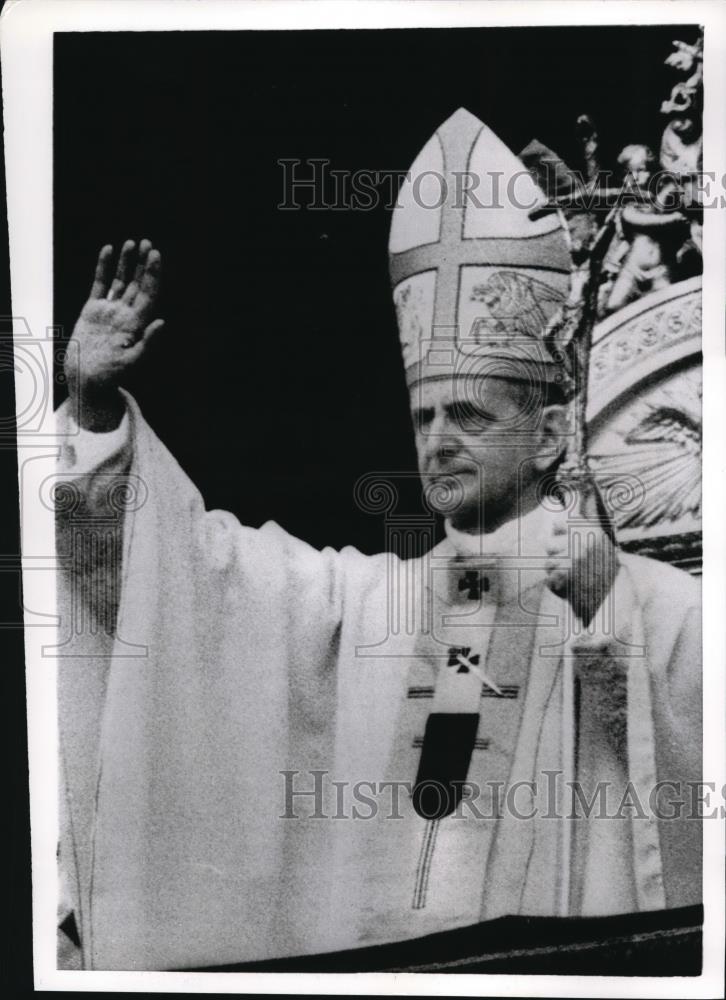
{"points": [[464, 417]]}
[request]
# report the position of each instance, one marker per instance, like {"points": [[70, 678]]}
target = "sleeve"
{"points": [[678, 700], [685, 674], [223, 673], [83, 450], [127, 483], [92, 479]]}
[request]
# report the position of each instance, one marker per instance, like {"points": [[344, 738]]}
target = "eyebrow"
{"points": [[423, 414], [454, 409]]}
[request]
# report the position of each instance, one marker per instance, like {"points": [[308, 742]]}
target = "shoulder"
{"points": [[662, 587], [670, 602]]}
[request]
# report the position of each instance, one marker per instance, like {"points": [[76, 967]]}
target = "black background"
{"points": [[278, 380], [16, 924]]}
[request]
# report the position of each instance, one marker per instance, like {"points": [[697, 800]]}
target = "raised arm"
{"points": [[113, 466], [109, 339]]}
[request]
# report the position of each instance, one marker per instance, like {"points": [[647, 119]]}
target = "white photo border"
{"points": [[26, 43]]}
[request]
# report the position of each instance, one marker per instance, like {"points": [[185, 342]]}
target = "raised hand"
{"points": [[113, 331], [582, 562]]}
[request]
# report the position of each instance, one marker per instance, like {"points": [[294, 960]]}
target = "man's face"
{"points": [[479, 444]]}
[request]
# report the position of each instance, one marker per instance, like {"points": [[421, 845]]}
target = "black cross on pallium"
{"points": [[475, 583], [455, 652]]}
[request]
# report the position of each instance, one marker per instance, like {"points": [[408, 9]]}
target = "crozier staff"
{"points": [[235, 674]]}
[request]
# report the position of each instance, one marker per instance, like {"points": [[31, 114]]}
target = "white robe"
{"points": [[242, 654]]}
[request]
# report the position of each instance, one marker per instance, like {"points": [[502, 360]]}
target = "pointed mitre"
{"points": [[478, 270]]}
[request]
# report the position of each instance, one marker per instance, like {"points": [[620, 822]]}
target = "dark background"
{"points": [[278, 380], [16, 967]]}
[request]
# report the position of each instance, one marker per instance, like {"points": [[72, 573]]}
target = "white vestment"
{"points": [[240, 656]]}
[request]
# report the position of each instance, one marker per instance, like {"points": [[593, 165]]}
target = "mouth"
{"points": [[456, 472]]}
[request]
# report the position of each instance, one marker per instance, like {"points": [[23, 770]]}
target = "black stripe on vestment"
{"points": [[444, 764]]}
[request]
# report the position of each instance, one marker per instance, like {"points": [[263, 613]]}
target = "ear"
{"points": [[551, 436]]}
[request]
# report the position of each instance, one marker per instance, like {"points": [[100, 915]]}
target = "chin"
{"points": [[466, 518]]}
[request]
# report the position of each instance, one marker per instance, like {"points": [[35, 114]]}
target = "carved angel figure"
{"points": [[685, 58]]}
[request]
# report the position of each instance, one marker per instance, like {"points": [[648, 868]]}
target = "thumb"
{"points": [[558, 562], [151, 329], [139, 348]]}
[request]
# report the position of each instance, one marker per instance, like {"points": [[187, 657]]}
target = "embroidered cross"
{"points": [[459, 657], [475, 583]]}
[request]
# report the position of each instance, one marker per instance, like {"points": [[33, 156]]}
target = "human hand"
{"points": [[113, 331], [582, 561]]}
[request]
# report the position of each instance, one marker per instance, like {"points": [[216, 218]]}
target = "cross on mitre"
{"points": [[471, 261]]}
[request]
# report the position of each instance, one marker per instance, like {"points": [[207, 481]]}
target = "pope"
{"points": [[231, 693]]}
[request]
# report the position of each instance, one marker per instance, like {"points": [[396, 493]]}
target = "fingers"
{"points": [[102, 274], [560, 530], [557, 564], [149, 283], [133, 286], [123, 270], [140, 346], [144, 248], [136, 281], [581, 565]]}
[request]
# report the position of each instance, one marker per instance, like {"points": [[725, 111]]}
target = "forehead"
{"points": [[495, 393]]}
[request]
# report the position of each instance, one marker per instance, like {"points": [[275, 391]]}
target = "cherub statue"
{"points": [[637, 164], [658, 241], [654, 236]]}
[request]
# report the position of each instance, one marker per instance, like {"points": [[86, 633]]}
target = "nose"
{"points": [[446, 449], [441, 443]]}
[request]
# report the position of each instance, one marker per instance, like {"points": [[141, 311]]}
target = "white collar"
{"points": [[526, 535]]}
